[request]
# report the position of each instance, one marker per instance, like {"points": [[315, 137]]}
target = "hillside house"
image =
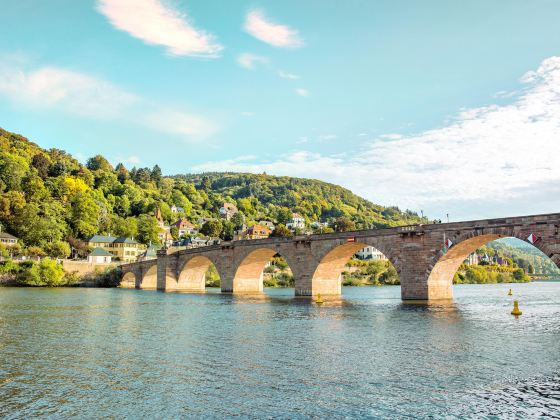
{"points": [[185, 227], [228, 210], [175, 209], [257, 231], [7, 240], [370, 253], [297, 222]]}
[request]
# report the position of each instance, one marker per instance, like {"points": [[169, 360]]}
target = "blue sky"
{"points": [[445, 107]]}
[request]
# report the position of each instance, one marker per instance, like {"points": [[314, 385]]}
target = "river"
{"points": [[130, 353]]}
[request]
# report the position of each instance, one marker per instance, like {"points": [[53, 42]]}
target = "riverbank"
{"points": [[50, 273]]}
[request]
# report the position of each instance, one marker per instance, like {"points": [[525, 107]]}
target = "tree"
{"points": [[519, 275], [124, 227], [122, 173], [78, 246], [206, 184], [211, 228], [156, 174], [343, 224], [34, 188], [122, 206], [41, 163], [174, 231], [12, 170], [36, 251], [98, 162], [228, 230], [284, 215], [238, 220], [58, 249], [85, 215], [148, 229], [281, 231], [245, 205]]}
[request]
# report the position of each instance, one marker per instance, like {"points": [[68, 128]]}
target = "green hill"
{"points": [[47, 197]]}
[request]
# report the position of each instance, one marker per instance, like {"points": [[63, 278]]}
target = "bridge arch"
{"points": [[249, 274], [191, 275], [149, 278], [128, 280], [327, 276], [444, 265]]}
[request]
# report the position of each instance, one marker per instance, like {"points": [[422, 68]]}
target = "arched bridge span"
{"points": [[425, 265]]}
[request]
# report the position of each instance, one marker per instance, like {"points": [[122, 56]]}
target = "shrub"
{"points": [[46, 273]]}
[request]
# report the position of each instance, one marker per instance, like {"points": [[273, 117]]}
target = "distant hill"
{"points": [[525, 256], [47, 196]]}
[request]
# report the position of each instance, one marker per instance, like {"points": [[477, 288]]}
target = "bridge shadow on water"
{"points": [[285, 297]]}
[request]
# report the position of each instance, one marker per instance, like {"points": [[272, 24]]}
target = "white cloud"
{"points": [[247, 113], [87, 96], [302, 92], [489, 161], [130, 160], [248, 60], [189, 126], [274, 34], [286, 75], [52, 87], [158, 24], [326, 137]]}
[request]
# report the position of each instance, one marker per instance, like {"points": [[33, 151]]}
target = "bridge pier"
{"points": [[162, 263]]}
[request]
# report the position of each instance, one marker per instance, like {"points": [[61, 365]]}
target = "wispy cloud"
{"points": [[248, 60], [326, 137], [71, 92], [302, 92], [130, 160], [156, 23], [489, 161], [286, 75], [277, 35], [247, 113]]}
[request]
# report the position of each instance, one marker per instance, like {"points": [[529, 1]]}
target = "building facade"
{"points": [[297, 222], [185, 227], [228, 210], [370, 253], [100, 256], [122, 248], [7, 240]]}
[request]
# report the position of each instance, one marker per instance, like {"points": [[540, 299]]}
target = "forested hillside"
{"points": [[48, 198]]}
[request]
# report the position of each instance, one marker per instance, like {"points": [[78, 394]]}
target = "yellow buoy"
{"points": [[516, 310], [509, 293], [319, 300]]}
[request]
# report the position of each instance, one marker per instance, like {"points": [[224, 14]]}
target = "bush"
{"points": [[46, 273], [58, 249], [9, 267]]}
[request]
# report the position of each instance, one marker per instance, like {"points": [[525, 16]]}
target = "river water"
{"points": [[130, 353]]}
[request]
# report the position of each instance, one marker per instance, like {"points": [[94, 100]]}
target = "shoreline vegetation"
{"points": [[50, 273], [358, 273]]}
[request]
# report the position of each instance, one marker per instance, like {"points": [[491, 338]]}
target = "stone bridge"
{"points": [[418, 253]]}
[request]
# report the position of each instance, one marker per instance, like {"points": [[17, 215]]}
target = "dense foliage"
{"points": [[46, 272], [48, 199], [370, 273]]}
